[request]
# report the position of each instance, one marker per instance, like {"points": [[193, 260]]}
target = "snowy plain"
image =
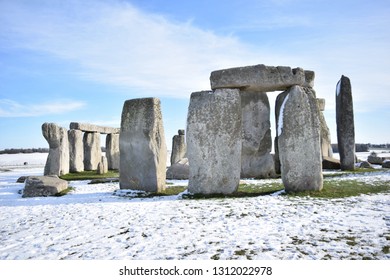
{"points": [[94, 222]]}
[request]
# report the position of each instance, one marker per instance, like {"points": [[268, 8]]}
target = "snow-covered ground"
{"points": [[94, 223]]}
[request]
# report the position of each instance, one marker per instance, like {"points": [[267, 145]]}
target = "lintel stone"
{"points": [[86, 127]]}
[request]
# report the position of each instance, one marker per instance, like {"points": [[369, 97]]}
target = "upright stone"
{"points": [[143, 151], [179, 147], [76, 150], [299, 140], [57, 162], [214, 141], [92, 150], [256, 158], [345, 124], [112, 151], [326, 143]]}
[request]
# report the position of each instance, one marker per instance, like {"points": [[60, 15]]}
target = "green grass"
{"points": [[89, 175], [352, 172]]}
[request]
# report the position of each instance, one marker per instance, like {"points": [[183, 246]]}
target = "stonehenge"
{"points": [[179, 147], [78, 148], [143, 150], [345, 124]]}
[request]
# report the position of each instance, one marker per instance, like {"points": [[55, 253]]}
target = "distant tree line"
{"points": [[363, 147], [24, 151]]}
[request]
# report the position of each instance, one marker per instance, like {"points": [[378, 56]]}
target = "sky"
{"points": [[80, 60]]}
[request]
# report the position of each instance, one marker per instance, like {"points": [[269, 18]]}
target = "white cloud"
{"points": [[10, 108]]}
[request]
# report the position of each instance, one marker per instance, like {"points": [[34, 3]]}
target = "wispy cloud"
{"points": [[10, 108]]}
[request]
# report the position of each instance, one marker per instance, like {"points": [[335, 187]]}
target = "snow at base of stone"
{"points": [[280, 120], [338, 88]]}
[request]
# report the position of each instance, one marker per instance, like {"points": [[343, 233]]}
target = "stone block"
{"points": [[214, 141], [143, 151], [43, 186], [86, 127], [76, 150], [92, 150], [112, 151], [179, 147]]}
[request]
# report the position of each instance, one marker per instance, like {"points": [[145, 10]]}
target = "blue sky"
{"points": [[65, 61]]}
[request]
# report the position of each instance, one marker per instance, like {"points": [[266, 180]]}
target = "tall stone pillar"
{"points": [[112, 150], [345, 124], [179, 147], [57, 162], [76, 150], [256, 158], [299, 140], [143, 150], [92, 150], [326, 143], [214, 141]]}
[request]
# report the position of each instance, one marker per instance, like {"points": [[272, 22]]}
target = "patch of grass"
{"points": [[89, 175], [356, 171], [345, 188]]}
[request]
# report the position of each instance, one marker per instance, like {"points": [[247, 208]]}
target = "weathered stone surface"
{"points": [[260, 78], [76, 150], [100, 168], [374, 159], [179, 170], [309, 78], [43, 186], [92, 150], [326, 142], [345, 124], [214, 141], [364, 164], [299, 140], [179, 147], [86, 127], [278, 104], [21, 179], [143, 151], [330, 163], [386, 164], [112, 151], [256, 160], [57, 162]]}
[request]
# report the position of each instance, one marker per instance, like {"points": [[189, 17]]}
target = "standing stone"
{"points": [[76, 150], [214, 141], [102, 167], [345, 124], [92, 150], [179, 147], [278, 104], [143, 151], [299, 140], [112, 151], [326, 143], [57, 162], [256, 158]]}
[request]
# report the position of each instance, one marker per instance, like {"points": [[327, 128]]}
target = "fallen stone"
{"points": [[345, 124], [43, 186], [299, 141], [256, 158], [374, 159], [21, 179], [330, 163], [214, 141], [364, 164], [179, 170], [260, 78], [86, 127], [57, 162], [386, 164], [143, 151]]}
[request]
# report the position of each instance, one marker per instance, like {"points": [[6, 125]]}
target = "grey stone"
{"points": [[374, 159], [214, 141], [104, 161], [143, 151], [330, 163], [179, 171], [57, 162], [92, 150], [43, 186], [365, 164], [76, 150], [21, 179], [179, 147], [112, 151], [345, 124], [100, 168], [321, 104], [309, 78], [278, 104], [181, 131], [299, 141], [256, 158], [386, 164], [259, 78], [86, 127], [326, 142]]}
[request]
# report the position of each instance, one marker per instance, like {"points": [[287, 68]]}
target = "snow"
{"points": [[97, 222], [281, 112]]}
